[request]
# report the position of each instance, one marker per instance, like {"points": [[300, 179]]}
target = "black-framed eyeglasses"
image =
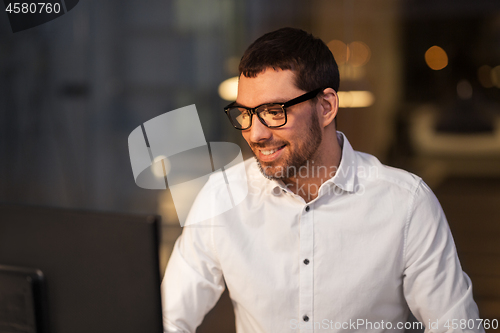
{"points": [[271, 115]]}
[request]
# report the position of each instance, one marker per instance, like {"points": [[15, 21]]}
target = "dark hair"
{"points": [[294, 49]]}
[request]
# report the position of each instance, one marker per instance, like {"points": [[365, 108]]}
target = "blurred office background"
{"points": [[420, 89]]}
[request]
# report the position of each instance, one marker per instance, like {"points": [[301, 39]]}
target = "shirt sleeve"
{"points": [[193, 280], [436, 289]]}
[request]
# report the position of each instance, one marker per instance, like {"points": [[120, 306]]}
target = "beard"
{"points": [[288, 165]]}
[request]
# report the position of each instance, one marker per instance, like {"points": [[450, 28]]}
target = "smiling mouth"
{"points": [[270, 151]]}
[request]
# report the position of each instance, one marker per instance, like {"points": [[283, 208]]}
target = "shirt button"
{"points": [[306, 261], [306, 318], [307, 208]]}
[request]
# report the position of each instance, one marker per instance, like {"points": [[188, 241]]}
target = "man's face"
{"points": [[281, 150]]}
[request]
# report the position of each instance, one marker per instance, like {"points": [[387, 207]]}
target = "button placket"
{"points": [[306, 269]]}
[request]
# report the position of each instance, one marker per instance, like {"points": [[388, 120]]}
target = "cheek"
{"points": [[296, 136]]}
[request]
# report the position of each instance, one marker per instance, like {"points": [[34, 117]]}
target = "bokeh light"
{"points": [[495, 76], [339, 50], [355, 99], [228, 89], [436, 58], [358, 54], [355, 54], [157, 166], [464, 89]]}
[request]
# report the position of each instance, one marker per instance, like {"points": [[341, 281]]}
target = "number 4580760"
{"points": [[471, 324], [33, 8]]}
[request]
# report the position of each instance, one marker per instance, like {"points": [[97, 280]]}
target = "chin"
{"points": [[272, 171]]}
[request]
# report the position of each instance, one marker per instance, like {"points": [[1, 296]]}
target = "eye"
{"points": [[273, 111], [276, 112]]}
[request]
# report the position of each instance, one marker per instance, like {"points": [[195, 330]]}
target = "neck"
{"points": [[322, 166]]}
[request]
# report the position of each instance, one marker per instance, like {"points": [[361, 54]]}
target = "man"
{"points": [[328, 239]]}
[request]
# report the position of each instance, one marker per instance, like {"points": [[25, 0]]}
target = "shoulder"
{"points": [[399, 186], [371, 171]]}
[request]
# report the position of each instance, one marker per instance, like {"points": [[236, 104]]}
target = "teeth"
{"points": [[268, 152]]}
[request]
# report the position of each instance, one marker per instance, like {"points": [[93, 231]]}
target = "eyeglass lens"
{"points": [[272, 115]]}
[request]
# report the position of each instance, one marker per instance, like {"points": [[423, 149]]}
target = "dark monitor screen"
{"points": [[101, 270]]}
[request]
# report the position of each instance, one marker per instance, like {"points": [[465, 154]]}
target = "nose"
{"points": [[258, 131]]}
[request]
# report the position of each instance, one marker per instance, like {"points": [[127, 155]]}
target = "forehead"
{"points": [[267, 87]]}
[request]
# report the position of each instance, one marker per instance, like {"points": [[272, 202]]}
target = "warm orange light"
{"points": [[359, 54], [339, 50], [355, 54], [436, 58]]}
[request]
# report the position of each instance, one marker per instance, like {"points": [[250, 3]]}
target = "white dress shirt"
{"points": [[372, 245]]}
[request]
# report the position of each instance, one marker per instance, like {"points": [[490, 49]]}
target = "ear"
{"points": [[329, 105]]}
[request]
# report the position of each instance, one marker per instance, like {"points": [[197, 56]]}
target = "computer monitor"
{"points": [[100, 270]]}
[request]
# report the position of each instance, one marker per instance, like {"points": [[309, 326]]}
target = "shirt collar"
{"points": [[345, 176]]}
